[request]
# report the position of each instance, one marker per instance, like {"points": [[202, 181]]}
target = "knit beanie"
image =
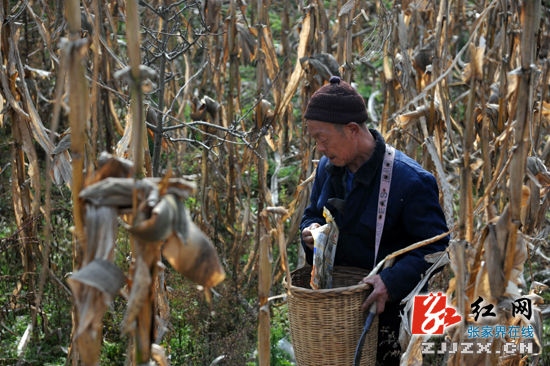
{"points": [[336, 102]]}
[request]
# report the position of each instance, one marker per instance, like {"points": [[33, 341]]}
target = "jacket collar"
{"points": [[369, 169]]}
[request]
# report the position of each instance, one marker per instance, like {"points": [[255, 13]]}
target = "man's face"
{"points": [[336, 142]]}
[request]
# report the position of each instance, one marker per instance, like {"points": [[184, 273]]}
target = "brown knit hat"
{"points": [[337, 102]]}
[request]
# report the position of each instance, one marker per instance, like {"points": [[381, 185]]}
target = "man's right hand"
{"points": [[306, 235]]}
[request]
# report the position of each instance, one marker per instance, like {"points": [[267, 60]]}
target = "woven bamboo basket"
{"points": [[325, 325]]}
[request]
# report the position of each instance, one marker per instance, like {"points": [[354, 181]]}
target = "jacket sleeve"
{"points": [[312, 214], [422, 218]]}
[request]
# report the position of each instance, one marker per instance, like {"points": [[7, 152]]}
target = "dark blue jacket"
{"points": [[413, 214]]}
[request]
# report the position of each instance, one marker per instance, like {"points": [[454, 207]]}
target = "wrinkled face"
{"points": [[336, 142]]}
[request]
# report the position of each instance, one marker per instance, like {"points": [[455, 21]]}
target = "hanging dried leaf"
{"points": [[387, 67], [116, 192], [271, 63], [141, 287], [24, 341], [1, 110], [513, 82], [494, 262], [292, 85], [324, 64], [111, 166], [407, 120], [413, 353], [212, 10], [102, 275], [423, 56], [159, 355], [158, 224], [123, 145], [247, 43], [194, 256]]}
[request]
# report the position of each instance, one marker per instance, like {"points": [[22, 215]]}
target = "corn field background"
{"points": [[213, 91]]}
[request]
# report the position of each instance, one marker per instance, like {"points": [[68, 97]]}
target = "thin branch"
{"points": [[195, 75], [183, 139]]}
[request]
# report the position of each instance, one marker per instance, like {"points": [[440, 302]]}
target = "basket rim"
{"points": [[331, 291]]}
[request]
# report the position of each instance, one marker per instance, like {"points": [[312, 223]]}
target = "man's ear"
{"points": [[353, 128]]}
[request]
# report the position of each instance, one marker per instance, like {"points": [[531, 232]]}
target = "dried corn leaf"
{"points": [[33, 168], [478, 58], [141, 286], [516, 276], [494, 254], [42, 29], [115, 192], [115, 166], [292, 85], [407, 120], [324, 65], [158, 224], [159, 355], [413, 353], [476, 164], [482, 285], [423, 56], [118, 126], [102, 275], [24, 341], [123, 145], [538, 171], [513, 82], [64, 144], [212, 11], [36, 126], [538, 287], [388, 70], [101, 230], [247, 49], [475, 67], [271, 63], [193, 255], [1, 109]]}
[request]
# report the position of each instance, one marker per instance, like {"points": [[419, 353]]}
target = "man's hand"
{"points": [[306, 235], [379, 294]]}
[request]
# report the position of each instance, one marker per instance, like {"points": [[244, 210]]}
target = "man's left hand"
{"points": [[379, 294]]}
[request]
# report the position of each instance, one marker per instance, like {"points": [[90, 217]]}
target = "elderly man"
{"points": [[348, 181]]}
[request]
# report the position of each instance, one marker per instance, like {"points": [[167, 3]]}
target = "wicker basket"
{"points": [[325, 325]]}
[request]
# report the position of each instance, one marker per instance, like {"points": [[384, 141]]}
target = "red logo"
{"points": [[431, 314]]}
